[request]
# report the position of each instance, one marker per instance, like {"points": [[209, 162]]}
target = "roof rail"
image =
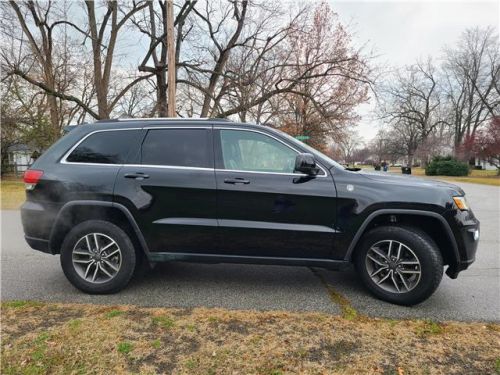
{"points": [[164, 118]]}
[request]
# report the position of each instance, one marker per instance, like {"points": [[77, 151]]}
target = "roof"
{"points": [[165, 119], [162, 121], [19, 147]]}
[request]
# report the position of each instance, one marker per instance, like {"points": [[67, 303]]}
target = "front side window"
{"points": [[106, 147], [255, 152], [177, 147]]}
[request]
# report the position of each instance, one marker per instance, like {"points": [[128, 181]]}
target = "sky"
{"points": [[400, 32]]}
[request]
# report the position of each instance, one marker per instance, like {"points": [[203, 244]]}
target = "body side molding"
{"points": [[187, 221], [244, 224], [241, 259], [275, 226]]}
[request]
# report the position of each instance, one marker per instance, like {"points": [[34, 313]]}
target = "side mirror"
{"points": [[305, 163]]}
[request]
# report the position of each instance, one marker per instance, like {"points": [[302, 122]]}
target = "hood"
{"points": [[408, 180]]}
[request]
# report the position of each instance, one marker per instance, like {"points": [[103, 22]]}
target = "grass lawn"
{"points": [[40, 338], [12, 192], [475, 176]]}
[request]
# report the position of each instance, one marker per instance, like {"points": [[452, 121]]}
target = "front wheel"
{"points": [[98, 257], [400, 265]]}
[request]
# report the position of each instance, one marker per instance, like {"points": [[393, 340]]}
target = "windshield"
{"points": [[310, 149]]}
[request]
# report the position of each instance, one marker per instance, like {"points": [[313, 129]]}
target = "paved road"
{"points": [[475, 295]]}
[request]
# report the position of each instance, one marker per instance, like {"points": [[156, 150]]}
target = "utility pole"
{"points": [[171, 59]]}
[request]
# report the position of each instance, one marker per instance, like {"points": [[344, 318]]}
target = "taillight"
{"points": [[31, 178]]}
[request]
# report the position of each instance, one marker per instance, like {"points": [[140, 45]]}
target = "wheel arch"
{"points": [[75, 212], [435, 225]]}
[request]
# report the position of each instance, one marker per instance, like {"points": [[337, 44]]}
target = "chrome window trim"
{"points": [[65, 156], [169, 167], [279, 140], [177, 127], [172, 119], [64, 161], [260, 172]]}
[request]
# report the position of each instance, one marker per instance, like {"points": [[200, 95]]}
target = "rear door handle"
{"points": [[237, 180], [137, 176]]}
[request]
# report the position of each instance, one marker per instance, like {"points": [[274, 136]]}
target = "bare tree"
{"points": [[324, 81], [103, 50], [224, 39], [380, 146], [472, 74], [348, 146], [411, 104], [41, 54], [45, 26], [404, 141], [152, 22]]}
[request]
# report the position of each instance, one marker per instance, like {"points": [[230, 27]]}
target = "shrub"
{"points": [[446, 166]]}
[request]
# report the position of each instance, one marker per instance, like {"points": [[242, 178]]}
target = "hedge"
{"points": [[446, 166]]}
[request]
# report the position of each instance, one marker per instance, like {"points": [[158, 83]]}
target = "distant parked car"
{"points": [[117, 193]]}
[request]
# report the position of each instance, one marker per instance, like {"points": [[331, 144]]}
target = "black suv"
{"points": [[112, 195]]}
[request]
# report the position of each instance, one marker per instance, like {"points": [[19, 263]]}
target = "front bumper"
{"points": [[467, 238]]}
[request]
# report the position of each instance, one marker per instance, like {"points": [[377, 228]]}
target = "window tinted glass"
{"points": [[177, 147], [250, 151], [109, 147]]}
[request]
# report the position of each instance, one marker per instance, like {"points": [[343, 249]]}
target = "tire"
{"points": [[76, 257], [421, 279]]}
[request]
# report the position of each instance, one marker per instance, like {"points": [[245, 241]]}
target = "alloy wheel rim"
{"points": [[393, 266], [97, 258]]}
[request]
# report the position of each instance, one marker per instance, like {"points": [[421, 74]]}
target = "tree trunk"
{"points": [[161, 93], [410, 160]]}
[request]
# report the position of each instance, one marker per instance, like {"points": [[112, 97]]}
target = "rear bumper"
{"points": [[37, 219], [38, 244]]}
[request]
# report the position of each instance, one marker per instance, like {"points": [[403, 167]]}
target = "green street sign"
{"points": [[302, 137]]}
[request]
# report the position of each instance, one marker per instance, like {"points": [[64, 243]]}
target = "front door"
{"points": [[264, 208], [170, 190]]}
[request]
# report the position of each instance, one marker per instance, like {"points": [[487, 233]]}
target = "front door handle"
{"points": [[237, 180], [137, 176]]}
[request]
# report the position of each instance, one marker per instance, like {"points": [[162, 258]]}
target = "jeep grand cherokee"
{"points": [[111, 195]]}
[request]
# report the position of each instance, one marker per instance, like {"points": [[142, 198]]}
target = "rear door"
{"points": [[264, 208], [170, 189]]}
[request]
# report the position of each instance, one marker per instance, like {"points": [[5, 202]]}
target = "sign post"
{"points": [[302, 137]]}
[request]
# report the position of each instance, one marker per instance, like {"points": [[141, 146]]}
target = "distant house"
{"points": [[484, 164], [19, 157]]}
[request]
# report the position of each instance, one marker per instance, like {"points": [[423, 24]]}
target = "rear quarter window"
{"points": [[106, 147]]}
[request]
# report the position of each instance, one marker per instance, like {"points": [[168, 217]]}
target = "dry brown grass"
{"points": [[12, 192], [68, 338]]}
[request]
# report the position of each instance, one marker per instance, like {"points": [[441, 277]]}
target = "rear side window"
{"points": [[177, 147], [108, 147]]}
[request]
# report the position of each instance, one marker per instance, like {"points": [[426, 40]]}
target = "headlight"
{"points": [[461, 203]]}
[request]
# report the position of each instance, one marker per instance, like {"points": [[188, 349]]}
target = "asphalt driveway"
{"points": [[475, 295]]}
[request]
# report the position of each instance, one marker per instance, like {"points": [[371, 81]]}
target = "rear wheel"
{"points": [[399, 265], [98, 257]]}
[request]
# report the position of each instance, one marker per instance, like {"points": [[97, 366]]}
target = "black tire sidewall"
{"points": [[127, 251], [424, 248]]}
